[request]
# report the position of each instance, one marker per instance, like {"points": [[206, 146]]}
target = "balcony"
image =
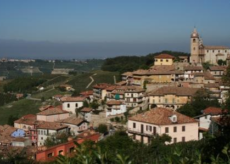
{"points": [[141, 133]]}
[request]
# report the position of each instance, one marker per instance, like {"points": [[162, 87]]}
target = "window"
{"points": [[166, 130], [68, 105], [161, 60], [183, 139], [174, 140], [183, 128], [71, 149], [194, 48], [194, 40], [167, 60], [150, 128], [41, 138], [213, 51], [154, 130], [38, 131], [76, 105], [44, 132], [61, 152], [174, 129], [156, 60], [50, 155], [207, 50], [41, 132], [147, 127], [134, 125], [166, 100]]}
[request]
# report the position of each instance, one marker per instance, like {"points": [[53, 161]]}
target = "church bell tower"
{"points": [[194, 47]]}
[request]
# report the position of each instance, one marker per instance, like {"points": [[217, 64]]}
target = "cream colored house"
{"points": [[70, 104], [52, 114], [163, 59], [171, 97], [144, 126]]}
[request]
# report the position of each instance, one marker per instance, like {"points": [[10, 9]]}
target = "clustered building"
{"points": [[160, 90]]}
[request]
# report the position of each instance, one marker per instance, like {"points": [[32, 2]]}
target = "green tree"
{"points": [[102, 128], [11, 120]]}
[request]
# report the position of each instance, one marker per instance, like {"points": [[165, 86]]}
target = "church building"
{"points": [[201, 53]]}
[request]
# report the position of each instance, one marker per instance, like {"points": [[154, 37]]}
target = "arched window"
{"points": [[68, 105], [194, 40]]}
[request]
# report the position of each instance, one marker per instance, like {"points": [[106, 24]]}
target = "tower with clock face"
{"points": [[194, 46]]}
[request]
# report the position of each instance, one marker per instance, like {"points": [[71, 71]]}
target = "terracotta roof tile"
{"points": [[114, 102], [72, 120], [179, 91], [52, 111], [208, 76], [193, 68], [164, 56], [27, 120], [87, 93], [101, 86], [161, 116], [213, 111], [217, 68], [51, 125], [86, 110], [72, 99], [215, 47]]}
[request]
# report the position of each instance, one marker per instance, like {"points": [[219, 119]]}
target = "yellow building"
{"points": [[171, 97], [163, 59], [156, 74]]}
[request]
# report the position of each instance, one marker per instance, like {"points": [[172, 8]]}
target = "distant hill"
{"points": [[130, 63]]}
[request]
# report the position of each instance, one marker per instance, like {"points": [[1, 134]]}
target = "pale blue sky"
{"points": [[103, 28]]}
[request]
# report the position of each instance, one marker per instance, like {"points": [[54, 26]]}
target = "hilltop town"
{"points": [[178, 97]]}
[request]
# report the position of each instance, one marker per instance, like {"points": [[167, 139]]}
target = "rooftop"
{"points": [[72, 99], [51, 126], [213, 111], [164, 56], [86, 110], [217, 68], [72, 120], [52, 111], [179, 91], [161, 116], [29, 119], [215, 47], [114, 102], [101, 86]]}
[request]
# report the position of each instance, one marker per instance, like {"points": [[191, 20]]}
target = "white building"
{"points": [[205, 120], [115, 107], [47, 129], [21, 142], [70, 104]]}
